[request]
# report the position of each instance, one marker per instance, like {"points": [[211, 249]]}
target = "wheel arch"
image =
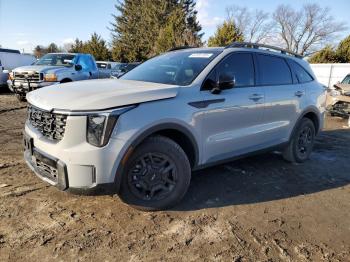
{"points": [[312, 114], [178, 133], [66, 80]]}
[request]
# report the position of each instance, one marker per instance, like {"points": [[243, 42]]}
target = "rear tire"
{"points": [[301, 143], [156, 176]]}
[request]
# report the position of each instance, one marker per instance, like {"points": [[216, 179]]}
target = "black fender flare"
{"points": [[148, 132], [302, 115]]}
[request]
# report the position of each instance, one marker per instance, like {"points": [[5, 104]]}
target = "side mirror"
{"points": [[78, 67], [225, 82]]}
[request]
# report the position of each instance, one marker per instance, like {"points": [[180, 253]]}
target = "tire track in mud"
{"points": [[2, 111]]}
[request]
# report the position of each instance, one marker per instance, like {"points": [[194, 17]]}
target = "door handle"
{"points": [[256, 97], [299, 93]]}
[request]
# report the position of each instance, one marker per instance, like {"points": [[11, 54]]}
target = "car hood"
{"points": [[342, 87], [40, 69], [99, 94]]}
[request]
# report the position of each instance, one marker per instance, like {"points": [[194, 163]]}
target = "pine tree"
{"points": [[53, 48], [145, 28], [343, 51], [77, 47], [97, 47], [225, 34], [325, 55]]}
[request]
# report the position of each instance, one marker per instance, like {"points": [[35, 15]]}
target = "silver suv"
{"points": [[143, 134]]}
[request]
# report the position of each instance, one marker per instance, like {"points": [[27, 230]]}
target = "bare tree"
{"points": [[254, 24], [307, 29]]}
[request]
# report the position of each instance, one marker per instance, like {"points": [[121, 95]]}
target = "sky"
{"points": [[27, 23]]}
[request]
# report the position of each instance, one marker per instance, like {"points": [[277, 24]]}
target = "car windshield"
{"points": [[57, 60], [117, 66], [346, 80], [176, 68]]}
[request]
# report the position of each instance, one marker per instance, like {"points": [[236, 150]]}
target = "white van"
{"points": [[10, 59]]}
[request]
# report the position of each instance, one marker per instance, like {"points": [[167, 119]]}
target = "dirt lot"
{"points": [[260, 208]]}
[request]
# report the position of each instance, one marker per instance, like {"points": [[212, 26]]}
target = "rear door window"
{"points": [[273, 70]]}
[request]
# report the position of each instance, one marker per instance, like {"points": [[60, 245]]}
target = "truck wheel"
{"points": [[157, 175], [301, 143], [21, 98]]}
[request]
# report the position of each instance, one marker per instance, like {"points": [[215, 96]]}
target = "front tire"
{"points": [[156, 176], [302, 141]]}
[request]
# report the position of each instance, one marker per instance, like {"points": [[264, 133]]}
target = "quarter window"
{"points": [[302, 75], [273, 70]]}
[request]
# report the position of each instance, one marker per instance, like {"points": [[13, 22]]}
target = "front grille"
{"points": [[46, 170], [49, 124], [28, 76]]}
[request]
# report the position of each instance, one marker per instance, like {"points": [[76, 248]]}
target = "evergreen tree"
{"points": [[325, 55], [97, 47], [77, 47], [53, 48], [145, 28], [225, 34], [343, 51]]}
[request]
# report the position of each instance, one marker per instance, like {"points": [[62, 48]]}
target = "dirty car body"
{"points": [[144, 133], [338, 101]]}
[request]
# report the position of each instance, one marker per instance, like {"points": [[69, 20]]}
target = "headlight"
{"points": [[11, 77], [334, 93], [100, 126], [50, 77]]}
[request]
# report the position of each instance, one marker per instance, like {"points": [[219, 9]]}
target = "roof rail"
{"points": [[268, 47], [180, 48]]}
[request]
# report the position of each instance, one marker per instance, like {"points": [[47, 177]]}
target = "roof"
{"points": [[5, 50], [189, 48]]}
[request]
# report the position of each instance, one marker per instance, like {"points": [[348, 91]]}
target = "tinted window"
{"points": [[239, 67], [302, 75], [178, 67], [273, 70]]}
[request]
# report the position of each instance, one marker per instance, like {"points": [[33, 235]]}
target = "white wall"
{"points": [[10, 61], [330, 74]]}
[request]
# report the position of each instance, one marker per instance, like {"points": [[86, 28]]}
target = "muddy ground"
{"points": [[259, 208]]}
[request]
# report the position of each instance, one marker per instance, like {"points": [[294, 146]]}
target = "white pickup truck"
{"points": [[53, 68]]}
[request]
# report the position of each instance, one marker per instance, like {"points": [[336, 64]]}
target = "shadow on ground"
{"points": [[268, 177]]}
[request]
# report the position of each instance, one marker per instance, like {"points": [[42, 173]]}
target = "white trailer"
{"points": [[330, 74], [11, 59]]}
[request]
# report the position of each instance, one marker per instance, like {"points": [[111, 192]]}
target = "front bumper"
{"points": [[23, 87], [79, 167], [46, 167]]}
